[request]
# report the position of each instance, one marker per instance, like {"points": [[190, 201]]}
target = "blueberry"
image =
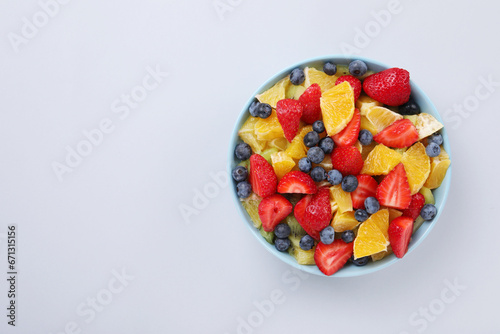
{"points": [[433, 150], [305, 165], [306, 242], [282, 230], [349, 183], [357, 68], [327, 235], [330, 68], [297, 76], [361, 215], [365, 137], [319, 126], [244, 189], [361, 261], [316, 155], [253, 108], [327, 145], [334, 177], [318, 174], [282, 244], [240, 173], [436, 138], [348, 236], [409, 108], [264, 110], [372, 205], [428, 212], [243, 151], [311, 139]]}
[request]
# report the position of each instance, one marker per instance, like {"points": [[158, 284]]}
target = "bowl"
{"points": [[440, 194]]}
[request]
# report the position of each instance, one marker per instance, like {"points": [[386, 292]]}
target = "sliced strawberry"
{"points": [[289, 112], [416, 204], [367, 187], [296, 182], [330, 258], [349, 135], [354, 82], [399, 134], [319, 210], [272, 210], [400, 230], [300, 211], [347, 160], [391, 86], [262, 176], [394, 190], [310, 101]]}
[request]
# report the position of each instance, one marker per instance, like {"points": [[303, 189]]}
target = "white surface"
{"points": [[119, 209]]}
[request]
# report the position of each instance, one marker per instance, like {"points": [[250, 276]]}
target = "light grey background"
{"points": [[119, 209]]}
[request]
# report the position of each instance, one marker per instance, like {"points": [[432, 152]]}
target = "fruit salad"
{"points": [[337, 166]]}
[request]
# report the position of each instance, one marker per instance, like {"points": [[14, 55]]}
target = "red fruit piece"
{"points": [[391, 86], [262, 176], [310, 101], [400, 230], [296, 182], [399, 134], [354, 82], [330, 258], [394, 190], [272, 210], [347, 160], [349, 135], [367, 187], [416, 204], [319, 211], [289, 112], [300, 211]]}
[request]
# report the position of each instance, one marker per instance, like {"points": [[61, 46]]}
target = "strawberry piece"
{"points": [[289, 112], [391, 86], [354, 82], [400, 230], [347, 160], [272, 210], [300, 211], [394, 190], [367, 187], [310, 101], [262, 176], [296, 182], [416, 204], [349, 135], [319, 211], [399, 134], [330, 258]]}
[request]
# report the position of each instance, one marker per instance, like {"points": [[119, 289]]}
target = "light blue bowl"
{"points": [[440, 194]]}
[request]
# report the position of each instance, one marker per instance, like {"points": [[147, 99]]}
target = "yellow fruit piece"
{"points": [[393, 214], [297, 149], [337, 107], [439, 166], [247, 134], [367, 149], [412, 118], [426, 125], [381, 161], [279, 143], [251, 204], [324, 80], [269, 128], [381, 117], [418, 222], [365, 102], [342, 70], [275, 93], [367, 125], [343, 221], [249, 125], [294, 92], [358, 145], [282, 163], [342, 198], [333, 205], [326, 163], [372, 235], [379, 256], [417, 166], [428, 195], [302, 256]]}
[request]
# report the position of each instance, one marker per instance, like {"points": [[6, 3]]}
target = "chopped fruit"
{"points": [[294, 92], [282, 163], [297, 76], [300, 211], [337, 107], [358, 146], [347, 160], [429, 197], [381, 118], [394, 190], [409, 108], [367, 186], [428, 212], [349, 135], [324, 80], [268, 236], [279, 143], [426, 125], [417, 165], [304, 257], [318, 212], [326, 163], [349, 183], [418, 222], [400, 134], [379, 256], [381, 161], [367, 125], [269, 128], [275, 93], [400, 230], [247, 134], [295, 228], [262, 177], [364, 103], [354, 82], [296, 182], [416, 204], [289, 112], [342, 198], [391, 86], [393, 214], [251, 205], [342, 70], [367, 150], [358, 68], [266, 154], [243, 189], [439, 166], [344, 221], [297, 149], [330, 258], [272, 210], [372, 235], [310, 101]]}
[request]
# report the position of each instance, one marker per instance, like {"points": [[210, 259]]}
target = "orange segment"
{"points": [[269, 128], [343, 221], [251, 204], [282, 163], [439, 166], [380, 118], [381, 161], [417, 165], [365, 102], [372, 235], [297, 149], [393, 214], [247, 134], [275, 93], [337, 107], [324, 80], [279, 143], [426, 125], [342, 198]]}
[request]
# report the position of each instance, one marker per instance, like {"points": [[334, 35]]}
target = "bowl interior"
{"points": [[440, 193]]}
